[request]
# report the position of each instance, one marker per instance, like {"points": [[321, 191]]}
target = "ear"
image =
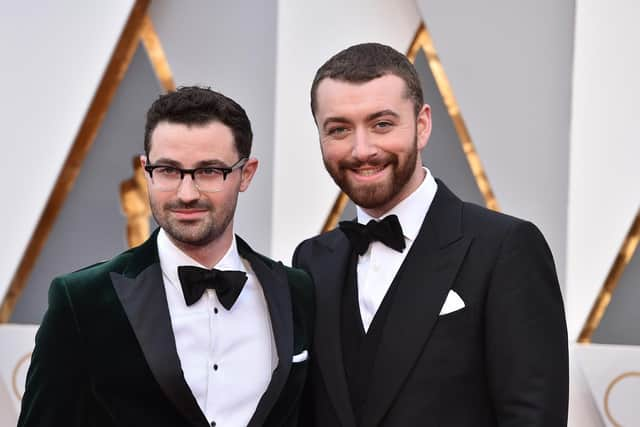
{"points": [[248, 170], [423, 126], [143, 163]]}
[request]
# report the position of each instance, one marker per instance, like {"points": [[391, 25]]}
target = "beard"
{"points": [[379, 194], [198, 232]]}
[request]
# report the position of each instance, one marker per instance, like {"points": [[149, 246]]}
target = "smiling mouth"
{"points": [[368, 171]]}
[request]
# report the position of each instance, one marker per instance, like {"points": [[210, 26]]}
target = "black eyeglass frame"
{"points": [[224, 171]]}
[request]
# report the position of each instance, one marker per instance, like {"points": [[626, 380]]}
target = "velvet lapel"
{"points": [[331, 257], [425, 278], [141, 292], [273, 279]]}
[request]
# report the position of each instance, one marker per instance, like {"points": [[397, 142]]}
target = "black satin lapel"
{"points": [[425, 277], [144, 301], [329, 272]]}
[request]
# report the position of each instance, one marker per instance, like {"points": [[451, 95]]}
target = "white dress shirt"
{"points": [[227, 357], [378, 266]]}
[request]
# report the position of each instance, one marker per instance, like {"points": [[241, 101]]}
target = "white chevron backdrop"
{"points": [[547, 88]]}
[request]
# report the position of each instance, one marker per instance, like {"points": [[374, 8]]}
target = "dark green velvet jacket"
{"points": [[105, 353]]}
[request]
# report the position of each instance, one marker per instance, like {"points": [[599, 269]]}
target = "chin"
{"points": [[371, 199]]}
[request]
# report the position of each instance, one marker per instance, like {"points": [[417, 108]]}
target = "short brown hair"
{"points": [[367, 61], [194, 105]]}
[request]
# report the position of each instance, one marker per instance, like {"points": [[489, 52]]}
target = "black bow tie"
{"points": [[387, 231], [227, 284]]}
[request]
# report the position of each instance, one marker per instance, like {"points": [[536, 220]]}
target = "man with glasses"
{"points": [[192, 328]]}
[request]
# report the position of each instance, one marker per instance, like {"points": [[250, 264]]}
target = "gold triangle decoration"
{"points": [[138, 28], [628, 248], [157, 56], [423, 41]]}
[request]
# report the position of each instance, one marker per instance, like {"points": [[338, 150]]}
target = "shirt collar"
{"points": [[412, 211], [171, 257]]}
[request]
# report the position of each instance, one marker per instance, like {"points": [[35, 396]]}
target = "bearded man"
{"points": [[430, 311]]}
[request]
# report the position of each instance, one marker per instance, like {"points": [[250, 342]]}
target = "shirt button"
{"points": [[215, 310], [215, 367], [213, 424]]}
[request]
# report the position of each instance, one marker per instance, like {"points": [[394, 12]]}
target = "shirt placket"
{"points": [[213, 367], [378, 277], [369, 288]]}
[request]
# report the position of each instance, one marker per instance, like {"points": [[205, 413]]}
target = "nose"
{"points": [[363, 147], [187, 190]]}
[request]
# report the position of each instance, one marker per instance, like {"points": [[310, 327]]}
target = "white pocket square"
{"points": [[452, 303], [300, 357]]}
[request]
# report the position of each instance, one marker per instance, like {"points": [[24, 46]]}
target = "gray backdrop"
{"points": [[621, 322], [510, 66]]}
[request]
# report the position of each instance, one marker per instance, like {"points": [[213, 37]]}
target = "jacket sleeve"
{"points": [[57, 383], [307, 413], [526, 336]]}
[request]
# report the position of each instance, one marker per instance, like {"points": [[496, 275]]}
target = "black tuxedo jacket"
{"points": [[502, 360], [105, 352]]}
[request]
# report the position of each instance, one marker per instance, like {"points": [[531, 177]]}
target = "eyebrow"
{"points": [[200, 164], [382, 113], [372, 116]]}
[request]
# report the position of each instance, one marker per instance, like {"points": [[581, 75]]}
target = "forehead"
{"points": [[337, 97], [183, 143]]}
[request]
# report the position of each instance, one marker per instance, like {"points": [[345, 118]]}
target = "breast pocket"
{"points": [[453, 324], [454, 338]]}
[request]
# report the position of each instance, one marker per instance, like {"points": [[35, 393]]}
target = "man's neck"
{"points": [[210, 254]]}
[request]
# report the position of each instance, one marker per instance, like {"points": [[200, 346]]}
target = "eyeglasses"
{"points": [[209, 179]]}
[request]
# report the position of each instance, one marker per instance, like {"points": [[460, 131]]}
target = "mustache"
{"points": [[355, 163], [197, 204]]}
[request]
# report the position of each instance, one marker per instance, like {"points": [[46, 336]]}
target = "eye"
{"points": [[337, 131], [383, 125], [166, 171], [208, 172]]}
